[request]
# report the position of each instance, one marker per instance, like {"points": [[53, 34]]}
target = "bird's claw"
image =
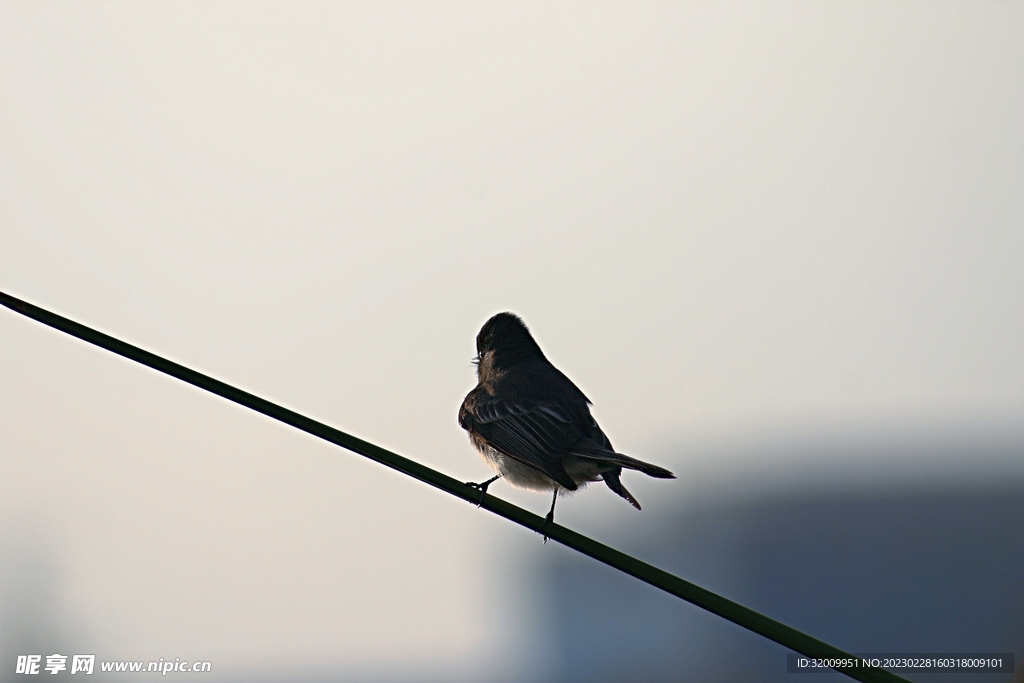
{"points": [[548, 519], [482, 487]]}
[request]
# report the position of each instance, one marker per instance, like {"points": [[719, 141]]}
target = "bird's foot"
{"points": [[548, 519], [482, 486]]}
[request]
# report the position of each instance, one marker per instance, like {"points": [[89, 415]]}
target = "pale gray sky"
{"points": [[718, 218]]}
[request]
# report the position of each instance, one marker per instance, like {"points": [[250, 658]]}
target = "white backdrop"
{"points": [[717, 218]]}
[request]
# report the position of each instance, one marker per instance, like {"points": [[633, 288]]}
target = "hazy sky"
{"points": [[717, 218]]}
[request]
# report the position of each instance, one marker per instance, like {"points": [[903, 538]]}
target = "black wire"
{"points": [[734, 612]]}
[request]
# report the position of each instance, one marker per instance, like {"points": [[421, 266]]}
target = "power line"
{"points": [[723, 607]]}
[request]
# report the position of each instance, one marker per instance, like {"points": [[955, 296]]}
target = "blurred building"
{"points": [[915, 568]]}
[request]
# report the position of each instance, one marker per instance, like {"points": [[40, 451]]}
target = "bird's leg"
{"points": [[483, 487], [484, 484], [550, 517]]}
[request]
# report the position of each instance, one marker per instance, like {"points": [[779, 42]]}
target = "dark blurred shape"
{"points": [[936, 569], [33, 609]]}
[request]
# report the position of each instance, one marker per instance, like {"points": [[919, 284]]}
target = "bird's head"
{"points": [[503, 342]]}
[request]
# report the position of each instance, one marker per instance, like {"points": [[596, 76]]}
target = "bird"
{"points": [[532, 425]]}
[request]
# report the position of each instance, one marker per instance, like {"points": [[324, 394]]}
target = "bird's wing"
{"points": [[534, 435]]}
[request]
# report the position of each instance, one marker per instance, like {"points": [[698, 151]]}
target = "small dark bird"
{"points": [[532, 425]]}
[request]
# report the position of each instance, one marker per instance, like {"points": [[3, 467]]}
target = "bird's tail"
{"points": [[611, 478], [595, 451], [641, 466]]}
